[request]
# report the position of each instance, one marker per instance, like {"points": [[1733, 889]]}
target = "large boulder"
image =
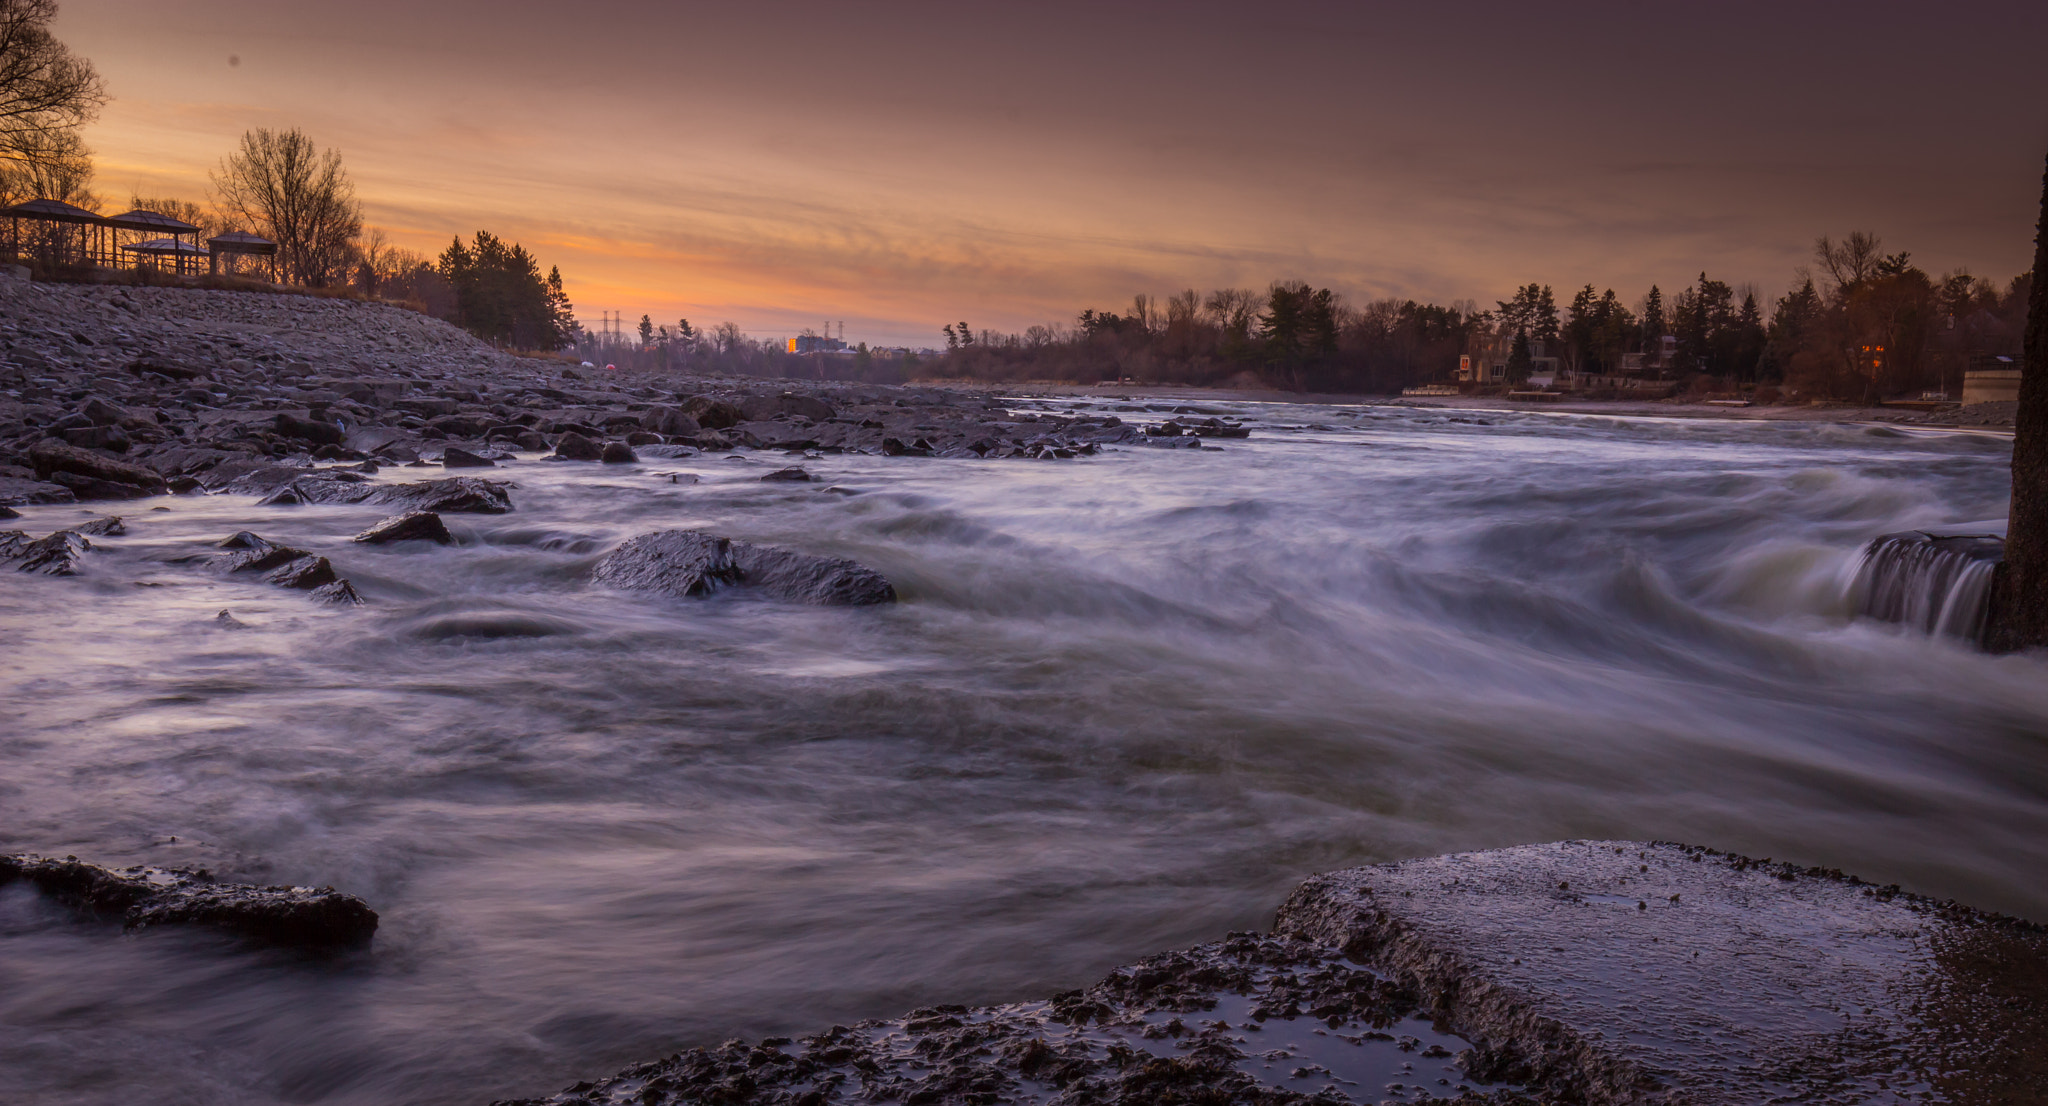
{"points": [[310, 430], [668, 420], [454, 495], [801, 578], [16, 492], [146, 896], [693, 563], [51, 457], [617, 453], [572, 446], [455, 458], [673, 562], [410, 526], [713, 414]]}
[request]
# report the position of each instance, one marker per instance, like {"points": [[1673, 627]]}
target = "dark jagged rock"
{"points": [[93, 488], [673, 562], [109, 527], [463, 459], [58, 554], [454, 495], [98, 437], [693, 563], [572, 446], [310, 430], [801, 578], [300, 917], [227, 621], [339, 593], [792, 475], [617, 453], [410, 526], [283, 566], [52, 458], [9, 512]]}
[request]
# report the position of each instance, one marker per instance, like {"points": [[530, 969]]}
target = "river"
{"points": [[1126, 702]]}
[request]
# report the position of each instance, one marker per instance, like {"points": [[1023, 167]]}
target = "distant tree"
{"points": [[646, 332], [283, 187], [501, 296], [1519, 360], [966, 335], [952, 338], [46, 94], [561, 312], [1654, 324], [688, 332]]}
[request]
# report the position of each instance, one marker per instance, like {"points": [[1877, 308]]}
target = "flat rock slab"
{"points": [[145, 896], [1579, 973], [1628, 972]]}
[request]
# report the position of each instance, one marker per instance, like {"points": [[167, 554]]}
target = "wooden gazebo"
{"points": [[158, 225], [57, 234], [236, 241]]}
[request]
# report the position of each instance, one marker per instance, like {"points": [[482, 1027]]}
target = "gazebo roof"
{"points": [[164, 245], [237, 241], [151, 220], [54, 211]]}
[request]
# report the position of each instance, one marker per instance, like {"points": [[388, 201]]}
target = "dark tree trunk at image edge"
{"points": [[2019, 596]]}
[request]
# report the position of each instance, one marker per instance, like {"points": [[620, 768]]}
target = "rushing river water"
{"points": [[1125, 704]]}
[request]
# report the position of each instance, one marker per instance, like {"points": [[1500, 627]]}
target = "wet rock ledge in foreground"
{"points": [[145, 896], [1589, 972]]}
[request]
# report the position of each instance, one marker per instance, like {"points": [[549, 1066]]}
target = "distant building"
{"points": [[815, 343], [1991, 378], [1487, 361]]}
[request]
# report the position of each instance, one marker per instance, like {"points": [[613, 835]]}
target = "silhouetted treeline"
{"points": [[1869, 326]]}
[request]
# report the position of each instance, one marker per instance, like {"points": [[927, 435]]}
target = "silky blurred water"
{"points": [[1125, 704]]}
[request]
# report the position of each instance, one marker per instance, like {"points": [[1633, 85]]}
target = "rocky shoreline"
{"points": [[111, 392]]}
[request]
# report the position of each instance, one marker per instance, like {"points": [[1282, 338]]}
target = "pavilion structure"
{"points": [[58, 235], [240, 242], [164, 238]]}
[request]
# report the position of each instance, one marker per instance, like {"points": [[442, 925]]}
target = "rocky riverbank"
{"points": [[113, 392], [1602, 972]]}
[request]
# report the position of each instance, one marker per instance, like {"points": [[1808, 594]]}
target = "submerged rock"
{"points": [[617, 453], [410, 526], [794, 475], [457, 494], [693, 563], [301, 917]]}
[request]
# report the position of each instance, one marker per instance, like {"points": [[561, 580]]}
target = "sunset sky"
{"points": [[901, 165]]}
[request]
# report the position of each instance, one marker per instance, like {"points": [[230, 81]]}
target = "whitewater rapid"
{"points": [[1126, 702]]}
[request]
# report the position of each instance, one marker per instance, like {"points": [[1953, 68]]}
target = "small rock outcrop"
{"points": [[457, 458], [617, 453], [299, 917], [58, 554], [693, 563], [410, 526], [455, 494], [285, 567]]}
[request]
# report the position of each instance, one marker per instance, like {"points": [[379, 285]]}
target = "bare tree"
{"points": [[297, 196], [55, 166], [46, 94], [1851, 261]]}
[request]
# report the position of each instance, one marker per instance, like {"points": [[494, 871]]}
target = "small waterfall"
{"points": [[1938, 583]]}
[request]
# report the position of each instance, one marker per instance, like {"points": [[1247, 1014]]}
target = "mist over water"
{"points": [[1126, 703]]}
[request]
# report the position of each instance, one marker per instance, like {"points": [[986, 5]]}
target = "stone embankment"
{"points": [[122, 392], [1581, 972]]}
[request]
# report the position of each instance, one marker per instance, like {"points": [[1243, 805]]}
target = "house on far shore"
{"points": [[1486, 361]]}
